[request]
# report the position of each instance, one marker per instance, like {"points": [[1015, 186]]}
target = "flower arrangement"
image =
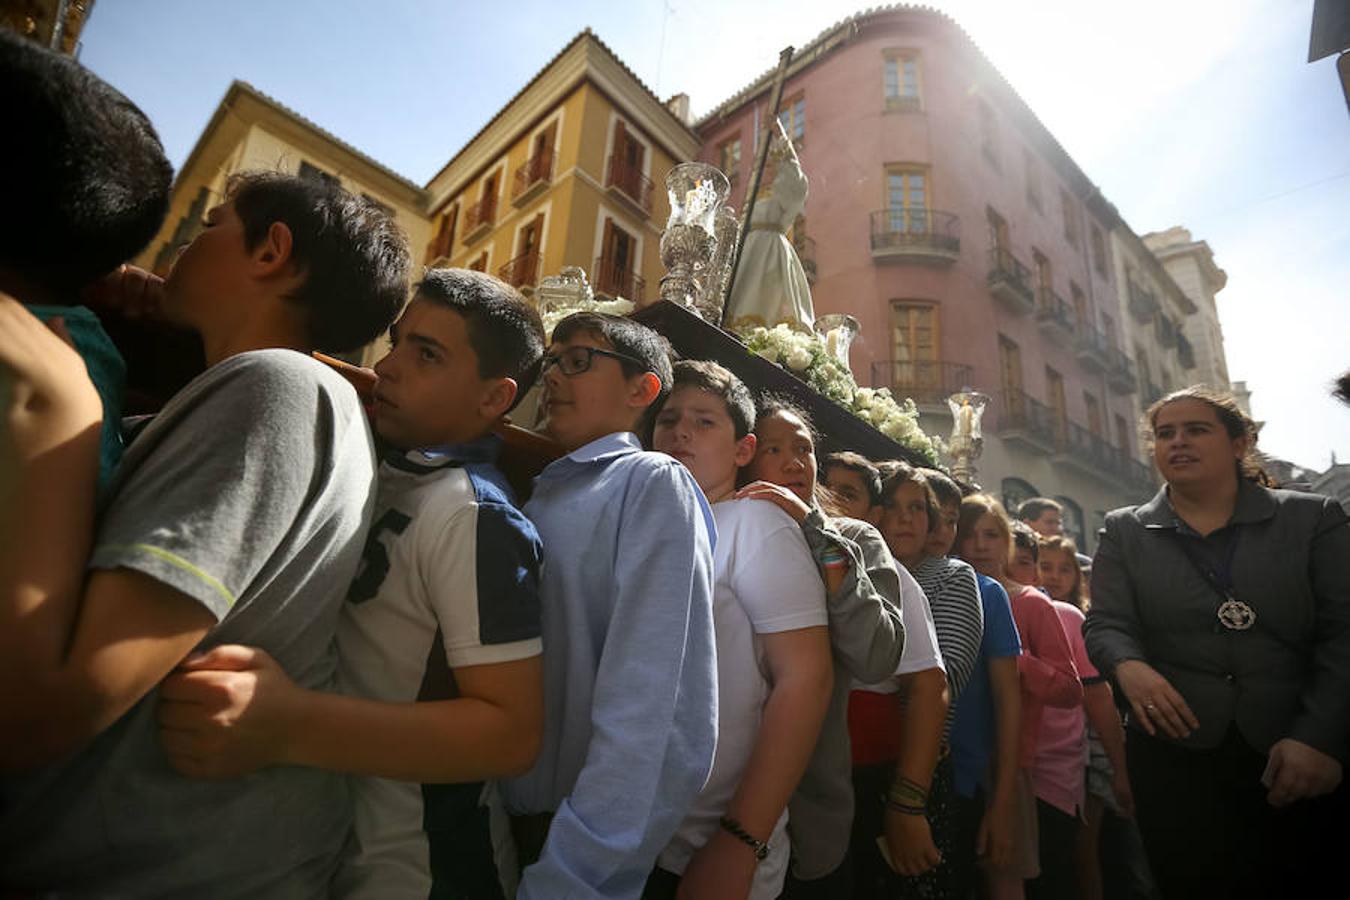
{"points": [[554, 315], [804, 354]]}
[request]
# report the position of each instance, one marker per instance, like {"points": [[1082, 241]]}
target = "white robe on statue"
{"points": [[771, 285]]}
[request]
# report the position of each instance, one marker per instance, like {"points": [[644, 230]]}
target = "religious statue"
{"points": [[771, 285]]}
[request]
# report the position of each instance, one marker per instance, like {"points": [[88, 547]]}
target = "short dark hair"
{"points": [[504, 329], [860, 466], [1024, 538], [1342, 391], [354, 258], [720, 382], [903, 473], [627, 337], [83, 175], [947, 491], [771, 404], [1033, 508]]}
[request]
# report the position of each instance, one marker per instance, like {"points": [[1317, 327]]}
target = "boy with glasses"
{"points": [[630, 668]]}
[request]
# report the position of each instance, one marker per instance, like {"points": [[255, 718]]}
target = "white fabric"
{"points": [[771, 285], [921, 645], [384, 645], [766, 582]]}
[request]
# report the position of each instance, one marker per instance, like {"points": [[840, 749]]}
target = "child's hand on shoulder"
{"points": [[778, 495], [131, 291], [227, 712]]}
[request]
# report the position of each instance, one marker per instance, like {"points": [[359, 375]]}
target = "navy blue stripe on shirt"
{"points": [[509, 556]]}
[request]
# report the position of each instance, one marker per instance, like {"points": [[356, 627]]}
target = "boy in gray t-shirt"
{"points": [[237, 516]]}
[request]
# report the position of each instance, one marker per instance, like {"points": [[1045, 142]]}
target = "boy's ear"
{"points": [[273, 253], [745, 450], [498, 398], [643, 390]]}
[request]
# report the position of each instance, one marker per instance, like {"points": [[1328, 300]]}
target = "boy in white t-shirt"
{"points": [[774, 666], [438, 644]]}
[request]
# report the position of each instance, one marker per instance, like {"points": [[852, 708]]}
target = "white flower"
{"points": [[798, 359]]}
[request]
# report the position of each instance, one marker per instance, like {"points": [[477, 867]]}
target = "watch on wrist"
{"points": [[760, 848]]}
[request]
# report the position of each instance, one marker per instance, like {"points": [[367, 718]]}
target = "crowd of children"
{"points": [[275, 643]]}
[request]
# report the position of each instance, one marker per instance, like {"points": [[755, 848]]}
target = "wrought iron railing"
{"points": [[916, 229], [1050, 307], [629, 179], [484, 212], [523, 271], [1008, 269], [1018, 411], [926, 382], [537, 169], [616, 280]]}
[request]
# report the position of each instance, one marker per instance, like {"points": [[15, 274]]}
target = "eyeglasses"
{"points": [[575, 360]]}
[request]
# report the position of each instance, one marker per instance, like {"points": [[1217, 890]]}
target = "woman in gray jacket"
{"points": [[1222, 610]]}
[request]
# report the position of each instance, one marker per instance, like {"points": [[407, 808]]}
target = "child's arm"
{"points": [[1105, 720], [233, 710], [1046, 664], [800, 669], [995, 840], [908, 836]]}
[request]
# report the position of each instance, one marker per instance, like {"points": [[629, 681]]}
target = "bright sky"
{"points": [[1194, 112]]}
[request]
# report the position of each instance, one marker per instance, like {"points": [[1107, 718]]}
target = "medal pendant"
{"points": [[1236, 615]]}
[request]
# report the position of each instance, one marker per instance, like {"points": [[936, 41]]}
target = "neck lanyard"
{"points": [[1232, 613]]}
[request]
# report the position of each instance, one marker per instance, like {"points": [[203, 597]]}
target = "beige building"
{"points": [[1191, 265]]}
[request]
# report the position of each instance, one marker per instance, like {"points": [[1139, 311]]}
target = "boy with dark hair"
{"points": [[1045, 516], [856, 484], [630, 687], [773, 653], [86, 185], [439, 637], [236, 516]]}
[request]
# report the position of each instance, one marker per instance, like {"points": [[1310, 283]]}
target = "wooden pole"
{"points": [[775, 95]]}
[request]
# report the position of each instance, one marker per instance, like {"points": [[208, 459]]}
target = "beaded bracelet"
{"points": [[905, 792], [761, 848], [906, 809]]}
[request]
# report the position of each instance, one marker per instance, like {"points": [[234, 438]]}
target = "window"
{"points": [[902, 80], [729, 157], [1071, 226], [314, 173], [1054, 392], [998, 232], [1074, 526], [1045, 278], [1123, 436], [523, 269], [1080, 309], [793, 116], [1098, 251], [480, 264], [1109, 329], [1094, 413], [444, 240], [914, 345], [1010, 366], [1033, 179], [1015, 492], [626, 166], [617, 265], [907, 200], [988, 128]]}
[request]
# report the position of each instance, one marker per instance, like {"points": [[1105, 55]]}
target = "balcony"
{"points": [[532, 178], [1027, 422], [615, 280], [628, 183], [1185, 352], [1149, 393], [903, 103], [1143, 305], [1120, 374], [927, 382], [1010, 281], [806, 252], [479, 217], [924, 236], [521, 272], [1166, 331], [1089, 454], [1054, 316], [1094, 352]]}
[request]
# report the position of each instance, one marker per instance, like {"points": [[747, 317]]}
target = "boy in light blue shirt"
{"points": [[630, 719]]}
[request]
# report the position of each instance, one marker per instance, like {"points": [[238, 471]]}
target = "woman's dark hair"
{"points": [[901, 473], [355, 260], [776, 404], [504, 328], [84, 177], [1234, 421]]}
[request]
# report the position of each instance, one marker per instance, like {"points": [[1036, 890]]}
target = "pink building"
{"points": [[969, 245]]}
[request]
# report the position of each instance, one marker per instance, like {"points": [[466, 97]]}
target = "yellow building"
{"points": [[251, 131], [571, 172]]}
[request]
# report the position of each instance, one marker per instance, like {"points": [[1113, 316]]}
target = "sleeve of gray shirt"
{"points": [[1112, 631], [866, 633], [220, 479], [1324, 720]]}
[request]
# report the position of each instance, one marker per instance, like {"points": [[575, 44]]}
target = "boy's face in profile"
{"points": [[941, 538], [586, 394], [695, 427], [1022, 567], [211, 266], [430, 392], [851, 492]]}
